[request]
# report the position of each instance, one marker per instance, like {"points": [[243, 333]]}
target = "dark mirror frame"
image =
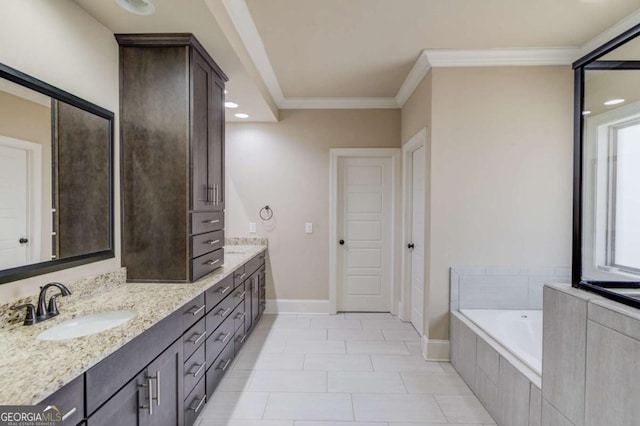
{"points": [[591, 62], [21, 272]]}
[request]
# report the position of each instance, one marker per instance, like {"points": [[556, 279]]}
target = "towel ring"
{"points": [[266, 213]]}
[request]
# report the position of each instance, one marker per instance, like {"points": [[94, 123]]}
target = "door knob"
{"points": [[23, 240], [341, 242], [411, 246]]}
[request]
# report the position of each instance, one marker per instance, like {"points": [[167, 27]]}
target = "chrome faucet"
{"points": [[43, 312]]}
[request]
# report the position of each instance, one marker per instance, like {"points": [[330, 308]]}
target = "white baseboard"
{"points": [[434, 350], [295, 306]]}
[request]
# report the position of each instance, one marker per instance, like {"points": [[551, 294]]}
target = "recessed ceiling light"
{"points": [[614, 102], [242, 115], [231, 105], [139, 7], [586, 112]]}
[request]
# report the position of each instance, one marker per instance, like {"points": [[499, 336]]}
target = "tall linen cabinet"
{"points": [[172, 158]]}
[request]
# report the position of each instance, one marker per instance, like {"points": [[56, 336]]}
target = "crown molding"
{"points": [[503, 57], [610, 33], [242, 20], [415, 76], [340, 103]]}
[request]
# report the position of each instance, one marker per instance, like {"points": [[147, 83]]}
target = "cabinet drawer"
{"points": [[194, 403], [206, 222], [239, 276], [193, 311], [193, 338], [70, 401], [238, 315], [194, 369], [218, 292], [202, 265], [219, 367], [205, 243], [239, 338], [218, 314], [252, 265], [238, 294], [219, 339]]}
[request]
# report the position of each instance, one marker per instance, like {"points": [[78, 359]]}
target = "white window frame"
{"points": [[598, 192]]}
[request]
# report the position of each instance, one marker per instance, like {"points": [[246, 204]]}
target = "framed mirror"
{"points": [[606, 223], [56, 178]]}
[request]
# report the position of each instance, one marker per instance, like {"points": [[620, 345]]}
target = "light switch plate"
{"points": [[308, 228], [252, 227]]}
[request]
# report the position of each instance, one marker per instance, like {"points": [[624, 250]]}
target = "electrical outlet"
{"points": [[252, 227], [308, 228]]}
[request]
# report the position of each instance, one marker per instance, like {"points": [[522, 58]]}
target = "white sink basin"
{"points": [[86, 325]]}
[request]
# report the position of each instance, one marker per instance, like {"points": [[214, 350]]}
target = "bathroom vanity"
{"points": [[158, 368]]}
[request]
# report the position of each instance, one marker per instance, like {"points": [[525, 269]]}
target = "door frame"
{"points": [[335, 155], [418, 140], [34, 192]]}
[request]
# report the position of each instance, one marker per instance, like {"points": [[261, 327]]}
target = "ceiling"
{"points": [[280, 50]]}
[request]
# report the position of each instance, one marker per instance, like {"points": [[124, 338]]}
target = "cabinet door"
{"points": [[129, 406], [201, 124], [255, 297], [216, 157], [165, 373]]}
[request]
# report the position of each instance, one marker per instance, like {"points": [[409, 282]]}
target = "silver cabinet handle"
{"points": [[241, 295], [196, 310], [211, 242], [212, 221], [200, 337], [199, 406], [150, 406], [224, 313], [212, 262], [68, 414], [226, 364], [242, 276], [226, 336], [223, 290], [157, 397], [241, 338], [217, 194], [199, 369], [241, 316]]}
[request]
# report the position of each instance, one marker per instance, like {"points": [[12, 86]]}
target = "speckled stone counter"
{"points": [[32, 369]]}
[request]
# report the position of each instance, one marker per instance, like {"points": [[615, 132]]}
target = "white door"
{"points": [[417, 239], [364, 231], [13, 207]]}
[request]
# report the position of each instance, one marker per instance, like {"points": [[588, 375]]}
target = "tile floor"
{"points": [[351, 369]]}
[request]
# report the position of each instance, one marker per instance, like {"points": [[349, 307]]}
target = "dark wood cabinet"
{"points": [[129, 406], [70, 401], [166, 375], [172, 157]]}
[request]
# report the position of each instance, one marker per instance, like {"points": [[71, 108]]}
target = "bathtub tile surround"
{"points": [[339, 389], [26, 383], [605, 353], [501, 287], [508, 388]]}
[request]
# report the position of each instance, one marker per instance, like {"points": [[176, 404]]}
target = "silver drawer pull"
{"points": [[240, 339], [241, 295], [212, 221], [223, 290], [241, 316], [196, 310], [223, 313], [150, 406], [199, 406], [226, 336], [69, 413], [242, 276], [212, 242], [212, 262], [195, 374], [226, 364], [200, 337]]}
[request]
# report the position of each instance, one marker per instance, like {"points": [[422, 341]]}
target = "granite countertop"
{"points": [[32, 369]]}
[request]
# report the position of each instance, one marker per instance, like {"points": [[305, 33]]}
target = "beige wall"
{"points": [[501, 146], [59, 43], [416, 112], [286, 165]]}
